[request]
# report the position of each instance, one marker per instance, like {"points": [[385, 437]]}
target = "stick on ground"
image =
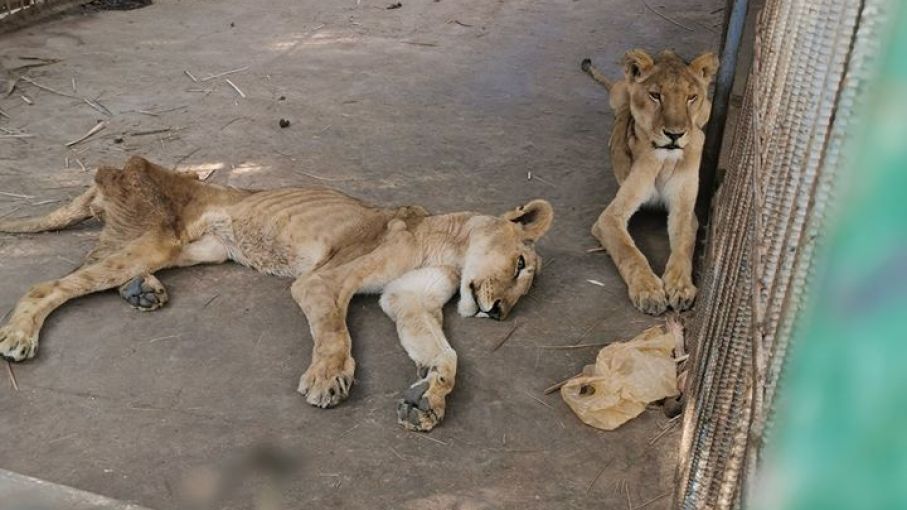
{"points": [[168, 337], [12, 375], [94, 104], [230, 83], [599, 475], [661, 434], [99, 126], [150, 132], [575, 346], [423, 436], [16, 195], [506, 337], [627, 492], [184, 158], [540, 401], [218, 75], [665, 17], [556, 386]]}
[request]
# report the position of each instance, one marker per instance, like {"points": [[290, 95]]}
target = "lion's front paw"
{"points": [[17, 345], [144, 293], [419, 409], [327, 382], [680, 290], [648, 295]]}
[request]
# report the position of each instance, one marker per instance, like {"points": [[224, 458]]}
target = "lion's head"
{"points": [[669, 97], [501, 261]]}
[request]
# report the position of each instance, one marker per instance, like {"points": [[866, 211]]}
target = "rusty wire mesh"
{"points": [[811, 61]]}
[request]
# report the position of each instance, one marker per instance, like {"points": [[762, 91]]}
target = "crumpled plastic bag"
{"points": [[626, 377]]}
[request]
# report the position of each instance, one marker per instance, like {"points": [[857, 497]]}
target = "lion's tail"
{"points": [[596, 75], [74, 212]]}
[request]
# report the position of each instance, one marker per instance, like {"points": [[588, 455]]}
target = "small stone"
{"points": [[284, 123]]}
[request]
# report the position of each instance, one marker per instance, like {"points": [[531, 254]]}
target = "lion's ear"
{"points": [[705, 66], [637, 63], [534, 218]]}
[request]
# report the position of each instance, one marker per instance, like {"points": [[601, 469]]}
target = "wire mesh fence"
{"points": [[812, 59], [19, 13]]}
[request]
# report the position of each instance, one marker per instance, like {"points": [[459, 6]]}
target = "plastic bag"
{"points": [[626, 377]]}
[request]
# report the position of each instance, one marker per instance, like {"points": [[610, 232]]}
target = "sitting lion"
{"points": [[660, 108], [333, 245]]}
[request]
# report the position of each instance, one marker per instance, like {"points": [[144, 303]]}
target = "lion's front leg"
{"points": [[643, 285], [682, 225], [329, 377], [324, 297], [414, 301]]}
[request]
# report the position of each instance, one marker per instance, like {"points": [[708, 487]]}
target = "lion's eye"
{"points": [[692, 98], [520, 264], [655, 96]]}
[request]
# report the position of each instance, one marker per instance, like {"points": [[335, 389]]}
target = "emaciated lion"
{"points": [[660, 108], [333, 245]]}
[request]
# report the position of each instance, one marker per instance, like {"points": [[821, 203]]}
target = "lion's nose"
{"points": [[674, 136], [495, 312]]}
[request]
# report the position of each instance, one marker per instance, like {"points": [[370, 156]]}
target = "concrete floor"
{"points": [[21, 492], [443, 103]]}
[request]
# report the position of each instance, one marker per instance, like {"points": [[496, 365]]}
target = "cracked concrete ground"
{"points": [[443, 103]]}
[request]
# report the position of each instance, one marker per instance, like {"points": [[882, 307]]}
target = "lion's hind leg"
{"points": [[414, 301], [77, 210], [19, 337]]}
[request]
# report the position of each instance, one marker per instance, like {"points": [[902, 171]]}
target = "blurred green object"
{"points": [[840, 434]]}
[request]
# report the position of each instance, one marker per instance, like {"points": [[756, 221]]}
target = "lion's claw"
{"points": [[17, 345], [327, 384], [649, 296], [415, 410], [680, 290]]}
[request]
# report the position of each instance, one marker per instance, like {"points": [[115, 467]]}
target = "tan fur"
{"points": [[333, 245], [659, 99]]}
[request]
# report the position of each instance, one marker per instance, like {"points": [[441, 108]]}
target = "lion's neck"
{"points": [[443, 238]]}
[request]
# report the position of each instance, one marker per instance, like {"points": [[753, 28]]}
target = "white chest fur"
{"points": [[666, 180]]}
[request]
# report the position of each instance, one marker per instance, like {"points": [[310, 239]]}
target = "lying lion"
{"points": [[333, 245], [660, 108]]}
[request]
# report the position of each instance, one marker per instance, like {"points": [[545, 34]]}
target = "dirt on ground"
{"points": [[449, 104]]}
